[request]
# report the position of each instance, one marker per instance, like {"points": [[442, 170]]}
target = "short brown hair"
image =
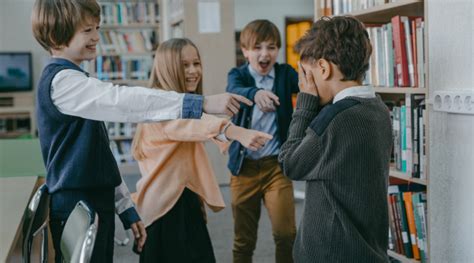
{"points": [[342, 40], [258, 31], [54, 22]]}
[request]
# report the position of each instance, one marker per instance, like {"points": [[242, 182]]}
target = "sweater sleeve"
{"points": [[236, 85], [307, 107], [193, 130]]}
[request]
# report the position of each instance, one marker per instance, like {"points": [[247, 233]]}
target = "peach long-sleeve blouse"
{"points": [[175, 158]]}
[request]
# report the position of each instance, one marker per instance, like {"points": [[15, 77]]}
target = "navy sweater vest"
{"points": [[75, 150]]}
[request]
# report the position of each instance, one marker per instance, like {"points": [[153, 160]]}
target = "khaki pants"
{"points": [[262, 180]]}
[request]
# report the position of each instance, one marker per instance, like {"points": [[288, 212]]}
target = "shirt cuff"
{"points": [[192, 106], [128, 217]]}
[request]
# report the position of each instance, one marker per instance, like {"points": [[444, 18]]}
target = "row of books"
{"points": [[397, 53], [338, 7], [125, 13], [122, 151], [409, 135], [120, 130], [120, 67], [14, 124], [408, 221], [127, 41]]}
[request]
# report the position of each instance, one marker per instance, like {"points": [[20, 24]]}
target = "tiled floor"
{"points": [[221, 230]]}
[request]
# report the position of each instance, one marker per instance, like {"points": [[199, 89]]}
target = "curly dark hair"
{"points": [[342, 40]]}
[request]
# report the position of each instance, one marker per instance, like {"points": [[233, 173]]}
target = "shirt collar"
{"points": [[356, 91], [258, 78]]}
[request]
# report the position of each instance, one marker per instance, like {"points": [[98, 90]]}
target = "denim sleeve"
{"points": [[192, 106], [128, 217]]}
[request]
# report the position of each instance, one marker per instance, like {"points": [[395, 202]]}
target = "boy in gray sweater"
{"points": [[339, 142]]}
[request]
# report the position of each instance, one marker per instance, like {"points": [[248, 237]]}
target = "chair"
{"points": [[78, 238], [35, 222]]}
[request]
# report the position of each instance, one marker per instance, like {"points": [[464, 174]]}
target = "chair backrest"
{"points": [[35, 219], [78, 238]]}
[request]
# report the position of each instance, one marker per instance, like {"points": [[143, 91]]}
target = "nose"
{"points": [[264, 51], [95, 36], [192, 69]]}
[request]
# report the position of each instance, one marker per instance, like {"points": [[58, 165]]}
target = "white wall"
{"points": [[273, 10], [15, 32], [451, 167]]}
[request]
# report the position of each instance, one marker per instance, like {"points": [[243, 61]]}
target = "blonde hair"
{"points": [[167, 74], [54, 22]]}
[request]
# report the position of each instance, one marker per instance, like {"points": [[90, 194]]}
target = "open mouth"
{"points": [[191, 80], [264, 64], [91, 47]]}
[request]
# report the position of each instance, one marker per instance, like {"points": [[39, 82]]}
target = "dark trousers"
{"points": [[104, 244], [181, 235]]}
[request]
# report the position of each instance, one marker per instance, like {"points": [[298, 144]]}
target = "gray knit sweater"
{"points": [[343, 154]]}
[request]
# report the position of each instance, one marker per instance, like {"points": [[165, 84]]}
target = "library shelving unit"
{"points": [[17, 115], [406, 94], [129, 35]]}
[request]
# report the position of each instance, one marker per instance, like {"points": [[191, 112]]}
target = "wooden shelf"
{"points": [[400, 257], [400, 90], [16, 110], [403, 176], [121, 138], [383, 13], [131, 26]]}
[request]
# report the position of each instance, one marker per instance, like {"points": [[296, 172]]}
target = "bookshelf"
{"points": [[406, 95], [17, 115], [129, 35]]}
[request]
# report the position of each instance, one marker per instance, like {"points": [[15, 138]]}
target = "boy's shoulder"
{"points": [[329, 112]]}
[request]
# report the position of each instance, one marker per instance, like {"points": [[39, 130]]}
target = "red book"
{"points": [[401, 63]]}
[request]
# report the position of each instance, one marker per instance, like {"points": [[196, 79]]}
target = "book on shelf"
{"points": [[125, 13], [405, 222], [409, 135], [339, 7], [397, 53]]}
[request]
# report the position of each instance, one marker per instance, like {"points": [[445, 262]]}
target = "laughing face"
{"points": [[83, 44], [192, 67], [262, 56]]}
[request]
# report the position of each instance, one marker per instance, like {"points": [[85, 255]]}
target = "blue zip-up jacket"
{"points": [[239, 81]]}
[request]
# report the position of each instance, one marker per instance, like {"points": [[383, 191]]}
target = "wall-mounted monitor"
{"points": [[15, 71]]}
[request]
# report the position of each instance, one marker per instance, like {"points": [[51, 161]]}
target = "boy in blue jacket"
{"points": [[257, 175], [70, 108]]}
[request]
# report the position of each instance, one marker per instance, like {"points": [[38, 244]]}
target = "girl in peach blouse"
{"points": [[177, 178]]}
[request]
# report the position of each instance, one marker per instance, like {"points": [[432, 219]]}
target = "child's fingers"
{"points": [[232, 108], [242, 99], [274, 98]]}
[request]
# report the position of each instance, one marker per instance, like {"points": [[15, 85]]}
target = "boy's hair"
{"points": [[258, 31], [342, 40], [168, 71], [54, 22]]}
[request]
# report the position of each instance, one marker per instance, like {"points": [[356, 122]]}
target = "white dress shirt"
{"points": [[73, 93], [356, 91]]}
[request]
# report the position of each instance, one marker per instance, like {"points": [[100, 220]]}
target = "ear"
{"points": [[325, 68]]}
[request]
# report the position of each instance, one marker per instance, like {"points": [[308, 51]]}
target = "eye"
{"points": [[97, 27], [88, 29], [197, 63]]}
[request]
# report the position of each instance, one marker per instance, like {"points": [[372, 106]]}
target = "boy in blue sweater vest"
{"points": [[257, 175], [70, 109], [341, 150]]}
